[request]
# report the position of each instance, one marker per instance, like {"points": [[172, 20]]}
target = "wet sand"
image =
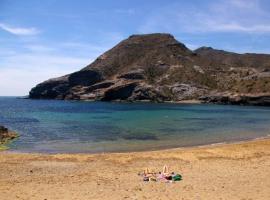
{"points": [[231, 171]]}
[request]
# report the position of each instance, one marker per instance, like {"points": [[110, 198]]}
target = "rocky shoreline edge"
{"points": [[6, 136], [220, 99]]}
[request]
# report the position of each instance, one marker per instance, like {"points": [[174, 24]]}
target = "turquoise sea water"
{"points": [[70, 126]]}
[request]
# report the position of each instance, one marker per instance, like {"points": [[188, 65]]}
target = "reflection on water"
{"points": [[70, 126]]}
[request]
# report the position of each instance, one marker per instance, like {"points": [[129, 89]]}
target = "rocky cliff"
{"points": [[156, 67]]}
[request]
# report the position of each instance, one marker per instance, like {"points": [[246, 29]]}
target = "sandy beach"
{"points": [[231, 171]]}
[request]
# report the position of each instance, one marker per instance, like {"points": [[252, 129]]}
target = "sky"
{"points": [[44, 39]]}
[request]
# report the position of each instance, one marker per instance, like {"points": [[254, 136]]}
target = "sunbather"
{"points": [[165, 175], [149, 175], [166, 170]]}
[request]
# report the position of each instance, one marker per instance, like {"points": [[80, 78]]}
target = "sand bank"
{"points": [[232, 171]]}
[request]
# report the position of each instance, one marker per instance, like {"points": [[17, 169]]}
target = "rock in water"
{"points": [[157, 67], [6, 135]]}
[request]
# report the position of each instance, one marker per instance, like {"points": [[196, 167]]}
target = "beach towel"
{"points": [[177, 177]]}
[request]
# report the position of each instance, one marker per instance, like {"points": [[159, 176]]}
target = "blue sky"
{"points": [[43, 39]]}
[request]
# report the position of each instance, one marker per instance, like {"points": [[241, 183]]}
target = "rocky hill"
{"points": [[156, 67]]}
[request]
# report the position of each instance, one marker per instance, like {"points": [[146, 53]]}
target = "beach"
{"points": [[225, 171]]}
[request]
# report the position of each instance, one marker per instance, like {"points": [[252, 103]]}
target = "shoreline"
{"points": [[217, 144], [189, 101], [221, 171]]}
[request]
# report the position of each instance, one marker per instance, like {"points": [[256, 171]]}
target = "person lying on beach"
{"points": [[165, 175], [149, 175]]}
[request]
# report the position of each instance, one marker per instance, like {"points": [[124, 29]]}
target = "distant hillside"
{"points": [[157, 67]]}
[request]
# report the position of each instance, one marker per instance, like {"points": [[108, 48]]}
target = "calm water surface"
{"points": [[69, 126]]}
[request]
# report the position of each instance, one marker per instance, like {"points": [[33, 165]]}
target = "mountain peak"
{"points": [[203, 48], [157, 37], [149, 35], [142, 50], [152, 38]]}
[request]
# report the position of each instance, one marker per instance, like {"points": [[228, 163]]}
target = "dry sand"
{"points": [[233, 171]]}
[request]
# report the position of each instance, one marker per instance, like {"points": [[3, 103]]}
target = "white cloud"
{"points": [[39, 48], [214, 26], [246, 16], [19, 30], [245, 4]]}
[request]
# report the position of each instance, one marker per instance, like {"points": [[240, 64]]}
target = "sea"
{"points": [[55, 126]]}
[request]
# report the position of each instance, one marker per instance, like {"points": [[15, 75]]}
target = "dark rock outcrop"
{"points": [[6, 135], [147, 92], [51, 89], [85, 78], [156, 67], [133, 75], [102, 85], [256, 100], [121, 92]]}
